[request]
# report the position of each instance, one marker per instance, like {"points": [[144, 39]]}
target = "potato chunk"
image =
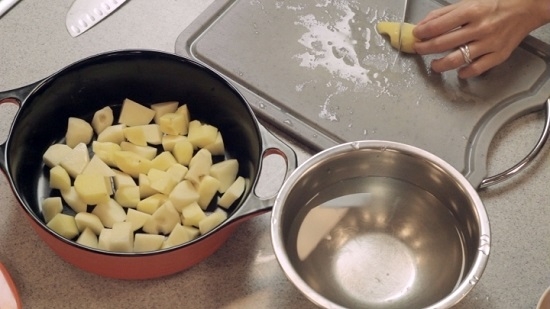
{"points": [[135, 114], [78, 131], [102, 119], [64, 225], [91, 188], [392, 29], [59, 178], [51, 206]]}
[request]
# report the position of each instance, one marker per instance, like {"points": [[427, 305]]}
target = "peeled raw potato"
{"points": [[64, 225], [78, 131], [140, 185], [233, 192], [51, 206], [59, 178], [73, 200], [91, 188], [113, 134], [147, 242], [226, 172], [87, 238], [212, 220], [86, 220], [55, 153], [164, 108], [180, 234], [76, 160], [102, 119], [392, 30], [135, 114]]}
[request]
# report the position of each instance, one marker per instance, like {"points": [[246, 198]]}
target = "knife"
{"points": [[401, 24], [6, 5], [84, 14]]}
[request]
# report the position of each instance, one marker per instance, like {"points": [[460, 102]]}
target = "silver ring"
{"points": [[465, 50]]}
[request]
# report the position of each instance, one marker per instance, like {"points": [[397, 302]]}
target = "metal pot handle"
{"points": [[15, 96], [492, 180], [273, 146]]}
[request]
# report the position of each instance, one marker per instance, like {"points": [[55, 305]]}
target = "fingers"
{"points": [[439, 22], [480, 61]]}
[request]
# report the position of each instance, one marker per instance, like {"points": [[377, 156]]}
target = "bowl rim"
{"points": [[468, 281]]}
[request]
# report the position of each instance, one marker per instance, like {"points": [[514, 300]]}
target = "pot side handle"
{"points": [[17, 97], [492, 180], [255, 204]]}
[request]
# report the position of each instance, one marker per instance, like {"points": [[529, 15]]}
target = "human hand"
{"points": [[491, 30]]}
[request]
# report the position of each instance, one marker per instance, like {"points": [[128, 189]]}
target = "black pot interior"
{"points": [[144, 76]]}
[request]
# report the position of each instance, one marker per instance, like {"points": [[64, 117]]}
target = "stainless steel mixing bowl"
{"points": [[377, 224]]}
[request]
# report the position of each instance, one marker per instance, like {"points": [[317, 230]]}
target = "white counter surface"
{"points": [[244, 272]]}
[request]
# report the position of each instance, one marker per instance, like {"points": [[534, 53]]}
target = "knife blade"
{"points": [[84, 14], [401, 24], [6, 5]]}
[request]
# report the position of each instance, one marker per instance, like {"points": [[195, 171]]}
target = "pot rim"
{"points": [[238, 214], [467, 281]]}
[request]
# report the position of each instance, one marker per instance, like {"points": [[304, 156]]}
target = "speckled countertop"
{"points": [[244, 272]]}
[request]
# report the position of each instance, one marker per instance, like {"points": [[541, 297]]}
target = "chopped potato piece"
{"points": [[226, 172], [76, 160], [183, 194], [127, 196], [122, 237], [207, 188], [166, 217], [73, 200], [51, 206], [172, 124], [88, 238], [233, 193], [144, 184], [135, 135], [211, 221], [137, 218], [64, 225], [105, 151], [147, 242], [392, 29], [217, 148], [78, 131], [150, 204], [123, 180], [177, 172], [135, 114], [168, 141], [91, 188], [99, 167], [59, 178], [131, 163], [109, 213], [153, 134], [102, 119], [163, 161], [192, 214], [164, 108], [183, 151], [147, 152], [55, 154], [113, 134], [180, 234], [86, 220], [161, 181], [202, 135], [199, 165]]}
